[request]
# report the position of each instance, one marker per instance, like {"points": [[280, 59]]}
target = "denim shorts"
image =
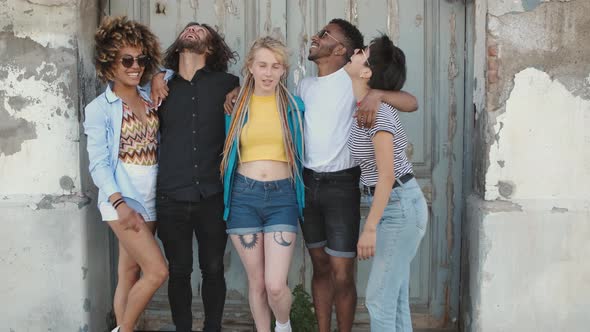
{"points": [[332, 211], [262, 206]]}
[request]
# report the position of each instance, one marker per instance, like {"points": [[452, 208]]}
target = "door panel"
{"points": [[431, 33]]}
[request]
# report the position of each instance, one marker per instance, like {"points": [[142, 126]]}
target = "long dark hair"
{"points": [[217, 59]]}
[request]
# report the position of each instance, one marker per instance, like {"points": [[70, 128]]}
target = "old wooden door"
{"points": [[431, 33]]}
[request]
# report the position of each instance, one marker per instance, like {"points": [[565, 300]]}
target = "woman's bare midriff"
{"points": [[265, 170]]}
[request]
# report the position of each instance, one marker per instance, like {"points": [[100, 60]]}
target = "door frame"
{"points": [[450, 86]]}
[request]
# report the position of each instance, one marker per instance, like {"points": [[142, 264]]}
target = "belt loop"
{"points": [[249, 182]]}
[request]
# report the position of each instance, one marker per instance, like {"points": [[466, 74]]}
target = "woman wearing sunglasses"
{"points": [[398, 215], [122, 128]]}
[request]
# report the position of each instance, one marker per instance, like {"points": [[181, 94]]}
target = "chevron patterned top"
{"points": [[139, 141]]}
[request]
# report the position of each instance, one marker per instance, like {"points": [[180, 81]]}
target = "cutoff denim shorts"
{"points": [[262, 206]]}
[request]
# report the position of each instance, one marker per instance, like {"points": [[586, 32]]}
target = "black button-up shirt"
{"points": [[192, 134]]}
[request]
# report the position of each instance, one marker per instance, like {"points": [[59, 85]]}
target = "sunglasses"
{"points": [[366, 57], [128, 60], [323, 33]]}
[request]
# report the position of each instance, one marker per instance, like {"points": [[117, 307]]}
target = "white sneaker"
{"points": [[285, 327], [116, 329]]}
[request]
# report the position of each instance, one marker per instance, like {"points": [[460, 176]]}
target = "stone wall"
{"points": [[54, 251], [525, 242]]}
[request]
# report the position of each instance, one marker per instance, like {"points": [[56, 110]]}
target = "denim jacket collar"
{"points": [[112, 97]]}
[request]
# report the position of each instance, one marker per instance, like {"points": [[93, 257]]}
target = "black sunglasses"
{"points": [[128, 60]]}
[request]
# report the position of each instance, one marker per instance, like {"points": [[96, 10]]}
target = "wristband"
{"points": [[117, 202]]}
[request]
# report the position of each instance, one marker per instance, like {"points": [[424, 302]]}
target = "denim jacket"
{"points": [[102, 126], [232, 165]]}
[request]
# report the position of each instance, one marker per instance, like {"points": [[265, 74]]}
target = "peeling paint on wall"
{"points": [[529, 5], [542, 38], [552, 38], [299, 70], [86, 305], [38, 83], [222, 9], [268, 18], [393, 20], [52, 3], [501, 7], [46, 232], [19, 102], [556, 209], [13, 132], [48, 201], [351, 12], [535, 135], [452, 73], [52, 24]]}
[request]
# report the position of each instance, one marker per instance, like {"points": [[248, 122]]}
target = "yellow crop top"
{"points": [[262, 136]]}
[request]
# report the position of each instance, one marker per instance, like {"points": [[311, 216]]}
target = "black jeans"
{"points": [[177, 221]]}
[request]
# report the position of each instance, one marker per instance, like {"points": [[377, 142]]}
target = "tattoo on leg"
{"points": [[249, 243], [278, 237]]}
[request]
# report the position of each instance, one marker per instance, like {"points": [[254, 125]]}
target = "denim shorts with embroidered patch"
{"points": [[262, 206]]}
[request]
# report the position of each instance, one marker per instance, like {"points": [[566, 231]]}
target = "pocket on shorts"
{"points": [[239, 186]]}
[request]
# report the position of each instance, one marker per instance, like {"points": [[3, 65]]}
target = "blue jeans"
{"points": [[399, 233]]}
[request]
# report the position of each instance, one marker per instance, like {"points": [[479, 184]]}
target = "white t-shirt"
{"points": [[329, 106]]}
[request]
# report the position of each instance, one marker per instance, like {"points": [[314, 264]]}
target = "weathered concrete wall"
{"points": [[53, 254], [528, 223]]}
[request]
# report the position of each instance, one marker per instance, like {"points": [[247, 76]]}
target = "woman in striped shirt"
{"points": [[398, 215]]}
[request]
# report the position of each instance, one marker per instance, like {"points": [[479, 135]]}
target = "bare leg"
{"points": [[127, 276], [278, 251], [322, 288], [143, 249], [344, 291], [250, 248]]}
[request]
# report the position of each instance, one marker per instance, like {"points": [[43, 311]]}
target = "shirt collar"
{"points": [[205, 69], [112, 97]]}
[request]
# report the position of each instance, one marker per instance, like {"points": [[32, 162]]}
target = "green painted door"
{"points": [[432, 34]]}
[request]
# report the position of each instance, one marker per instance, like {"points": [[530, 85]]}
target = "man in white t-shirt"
{"points": [[332, 197]]}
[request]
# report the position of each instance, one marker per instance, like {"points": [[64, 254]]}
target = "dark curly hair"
{"points": [[353, 37], [217, 60], [117, 32], [387, 63]]}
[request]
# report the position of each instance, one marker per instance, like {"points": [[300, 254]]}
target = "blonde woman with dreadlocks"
{"points": [[263, 188]]}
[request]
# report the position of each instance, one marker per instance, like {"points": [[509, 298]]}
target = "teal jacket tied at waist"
{"points": [[232, 165]]}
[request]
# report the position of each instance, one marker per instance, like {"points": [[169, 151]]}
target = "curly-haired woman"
{"points": [[122, 129]]}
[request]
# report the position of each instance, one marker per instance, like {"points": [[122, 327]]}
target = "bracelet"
{"points": [[117, 202]]}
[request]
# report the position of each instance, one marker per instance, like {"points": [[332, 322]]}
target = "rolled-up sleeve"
{"points": [[101, 170]]}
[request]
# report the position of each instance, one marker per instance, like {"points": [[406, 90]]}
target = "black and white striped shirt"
{"points": [[361, 145]]}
